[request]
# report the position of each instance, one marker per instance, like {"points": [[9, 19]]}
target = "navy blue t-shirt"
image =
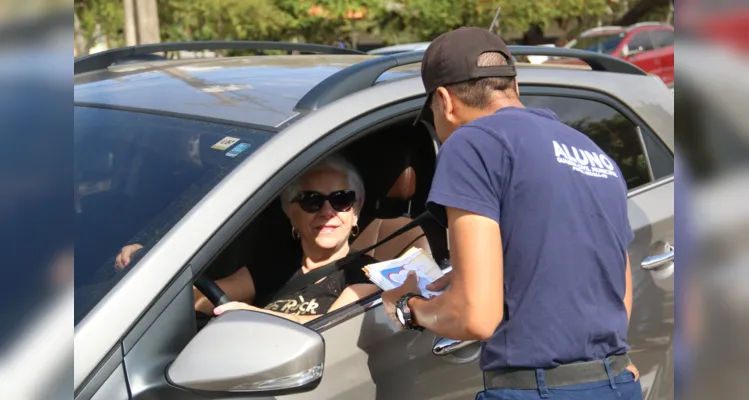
{"points": [[561, 205]]}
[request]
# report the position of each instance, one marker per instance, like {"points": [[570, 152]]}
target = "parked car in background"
{"points": [[188, 157], [648, 45]]}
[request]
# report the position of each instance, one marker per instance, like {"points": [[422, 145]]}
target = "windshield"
{"points": [[136, 175], [599, 43]]}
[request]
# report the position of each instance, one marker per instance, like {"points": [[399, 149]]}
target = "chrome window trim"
{"points": [[650, 186]]}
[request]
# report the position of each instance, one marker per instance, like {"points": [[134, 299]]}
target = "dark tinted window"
{"points": [[663, 38], [640, 42], [599, 43], [136, 175], [610, 130]]}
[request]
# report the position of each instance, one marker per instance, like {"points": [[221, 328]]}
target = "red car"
{"points": [[649, 45]]}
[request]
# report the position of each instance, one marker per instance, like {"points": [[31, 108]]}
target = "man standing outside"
{"points": [[538, 243]]}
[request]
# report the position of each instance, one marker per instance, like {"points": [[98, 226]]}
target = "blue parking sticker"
{"points": [[237, 149]]}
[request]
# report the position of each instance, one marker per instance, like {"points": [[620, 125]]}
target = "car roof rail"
{"points": [[353, 79], [363, 75], [107, 58], [649, 23]]}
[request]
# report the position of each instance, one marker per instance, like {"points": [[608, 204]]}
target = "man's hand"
{"points": [[123, 259], [390, 297], [441, 283]]}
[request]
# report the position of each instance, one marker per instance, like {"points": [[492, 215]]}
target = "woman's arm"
{"points": [[238, 286], [349, 295]]}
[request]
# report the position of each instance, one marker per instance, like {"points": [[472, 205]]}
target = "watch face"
{"points": [[399, 314]]}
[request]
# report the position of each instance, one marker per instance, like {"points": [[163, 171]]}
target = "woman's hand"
{"points": [[126, 254]]}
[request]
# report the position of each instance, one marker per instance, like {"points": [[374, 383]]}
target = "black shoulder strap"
{"points": [[301, 281]]}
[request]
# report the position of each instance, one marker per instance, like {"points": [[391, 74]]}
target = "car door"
{"points": [[367, 357]]}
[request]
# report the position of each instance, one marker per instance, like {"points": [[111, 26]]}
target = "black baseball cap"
{"points": [[453, 58]]}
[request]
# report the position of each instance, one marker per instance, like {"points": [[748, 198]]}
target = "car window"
{"points": [[640, 42], [136, 175], [613, 132], [598, 43], [663, 38]]}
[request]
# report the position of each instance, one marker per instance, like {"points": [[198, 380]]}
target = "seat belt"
{"points": [[302, 281]]}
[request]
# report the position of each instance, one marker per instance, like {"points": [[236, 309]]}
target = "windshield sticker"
{"points": [[238, 149], [225, 143]]}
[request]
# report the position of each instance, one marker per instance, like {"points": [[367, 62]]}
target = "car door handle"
{"points": [[659, 260], [446, 346]]}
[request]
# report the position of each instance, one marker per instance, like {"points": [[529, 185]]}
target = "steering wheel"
{"points": [[211, 291]]}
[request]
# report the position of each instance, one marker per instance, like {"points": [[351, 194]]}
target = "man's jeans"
{"points": [[621, 387]]}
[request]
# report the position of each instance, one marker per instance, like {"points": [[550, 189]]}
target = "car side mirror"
{"points": [[241, 353]]}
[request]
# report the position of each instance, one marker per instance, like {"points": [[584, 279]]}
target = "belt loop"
{"points": [[606, 365], [541, 381]]}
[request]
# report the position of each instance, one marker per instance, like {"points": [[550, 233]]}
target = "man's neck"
{"points": [[314, 258], [498, 104]]}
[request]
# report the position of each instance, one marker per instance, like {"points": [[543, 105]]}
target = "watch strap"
{"points": [[402, 305]]}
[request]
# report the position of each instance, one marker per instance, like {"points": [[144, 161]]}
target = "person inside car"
{"points": [[323, 207]]}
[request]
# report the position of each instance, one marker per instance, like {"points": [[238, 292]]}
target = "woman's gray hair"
{"points": [[335, 162]]}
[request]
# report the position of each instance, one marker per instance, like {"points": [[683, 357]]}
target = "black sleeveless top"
{"points": [[317, 299]]}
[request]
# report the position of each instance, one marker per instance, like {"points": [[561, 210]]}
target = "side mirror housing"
{"points": [[242, 353]]}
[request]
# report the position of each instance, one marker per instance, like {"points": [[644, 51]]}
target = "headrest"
{"points": [[387, 164], [404, 186]]}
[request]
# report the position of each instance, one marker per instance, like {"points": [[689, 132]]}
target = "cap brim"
{"points": [[425, 112]]}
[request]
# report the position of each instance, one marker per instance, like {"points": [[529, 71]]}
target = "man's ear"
{"points": [[445, 105], [517, 88]]}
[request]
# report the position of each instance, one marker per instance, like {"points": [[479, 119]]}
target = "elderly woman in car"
{"points": [[323, 206]]}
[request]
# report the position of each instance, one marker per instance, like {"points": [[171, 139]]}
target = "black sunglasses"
{"points": [[312, 202]]}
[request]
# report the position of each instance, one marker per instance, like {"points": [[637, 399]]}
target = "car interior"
{"points": [[396, 163]]}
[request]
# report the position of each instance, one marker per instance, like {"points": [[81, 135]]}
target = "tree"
{"points": [[98, 16], [186, 20], [646, 10]]}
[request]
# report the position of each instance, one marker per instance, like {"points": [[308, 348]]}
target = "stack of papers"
{"points": [[391, 274]]}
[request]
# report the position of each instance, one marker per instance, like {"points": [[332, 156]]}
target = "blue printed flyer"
{"points": [[391, 274]]}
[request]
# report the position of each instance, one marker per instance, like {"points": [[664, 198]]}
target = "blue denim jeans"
{"points": [[620, 387]]}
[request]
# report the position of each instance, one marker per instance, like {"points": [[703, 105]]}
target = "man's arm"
{"points": [[472, 306]]}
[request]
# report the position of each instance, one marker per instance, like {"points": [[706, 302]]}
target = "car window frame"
{"points": [[635, 34], [656, 44], [264, 197]]}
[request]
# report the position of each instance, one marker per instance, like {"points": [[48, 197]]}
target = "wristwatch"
{"points": [[403, 312]]}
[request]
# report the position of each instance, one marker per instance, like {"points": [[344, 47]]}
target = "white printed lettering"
{"points": [[580, 158], [566, 152], [558, 150], [585, 162], [607, 162], [593, 157]]}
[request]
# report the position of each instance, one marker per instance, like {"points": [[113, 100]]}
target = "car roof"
{"points": [[259, 90], [266, 92]]}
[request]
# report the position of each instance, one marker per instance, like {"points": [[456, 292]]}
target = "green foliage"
{"points": [[185, 20], [107, 14], [329, 21]]}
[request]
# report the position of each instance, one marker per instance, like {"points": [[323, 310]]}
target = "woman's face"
{"points": [[327, 228]]}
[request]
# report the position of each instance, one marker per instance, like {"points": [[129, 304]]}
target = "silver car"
{"points": [[188, 157]]}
